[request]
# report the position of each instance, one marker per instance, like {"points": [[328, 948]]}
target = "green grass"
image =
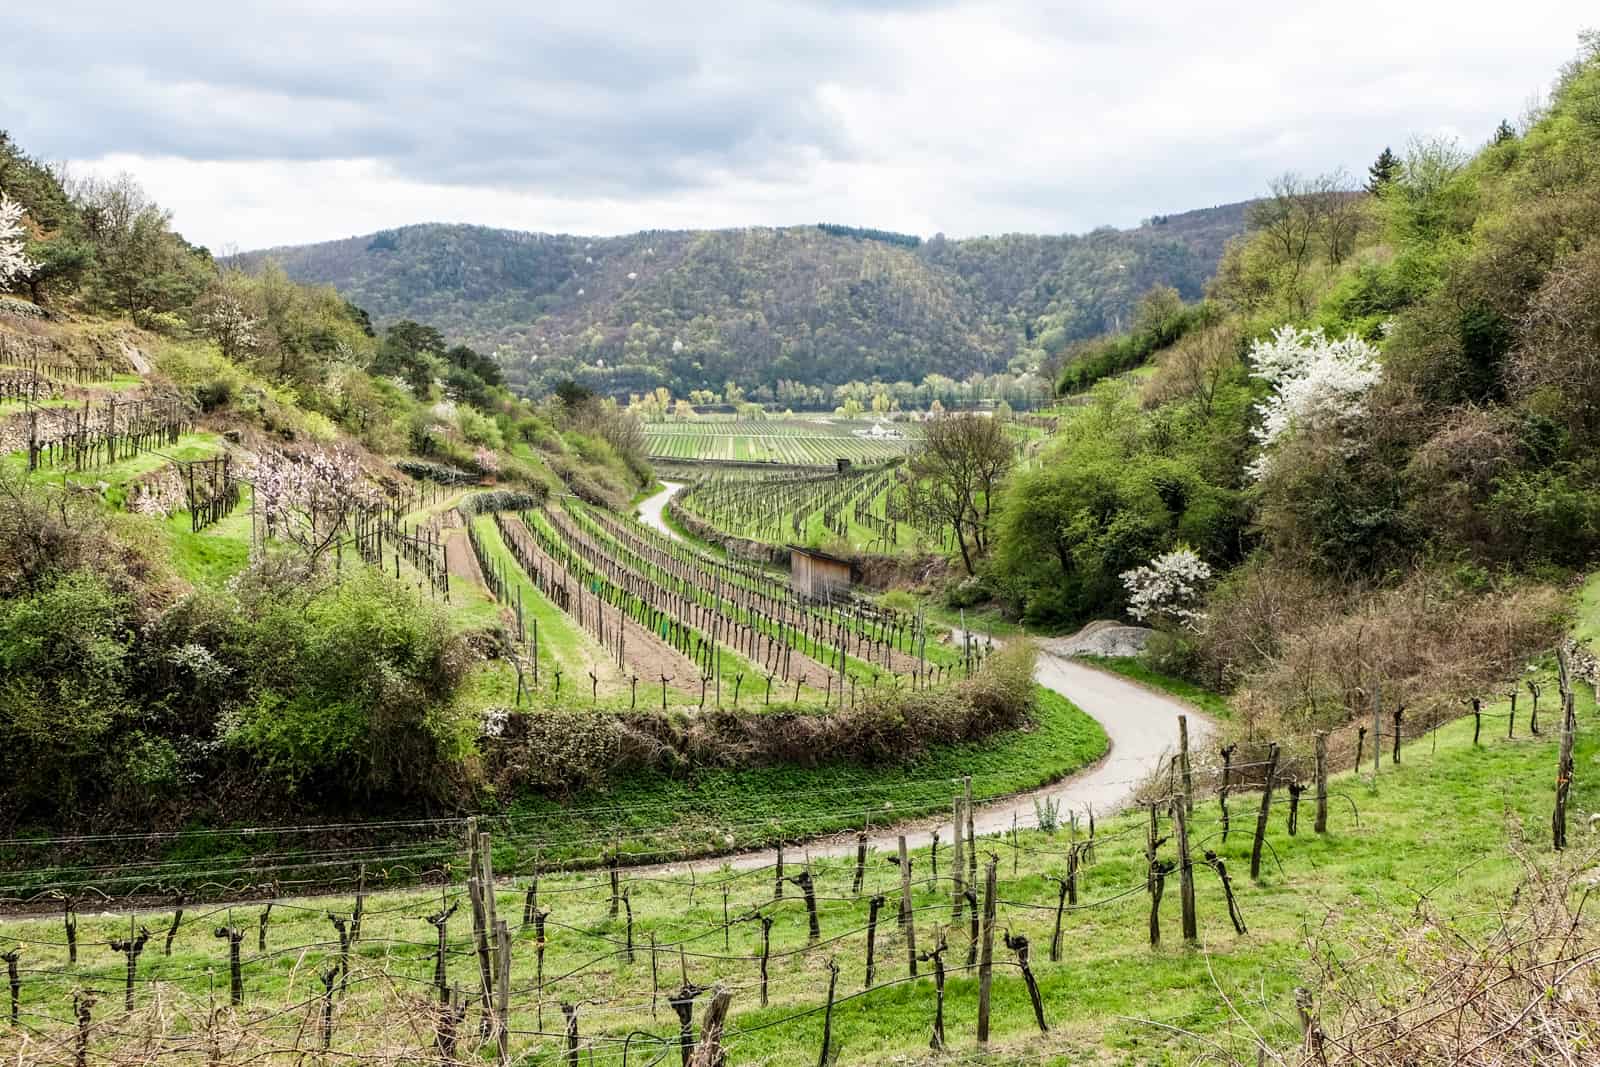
{"points": [[561, 644], [1586, 627], [1435, 828], [218, 552], [117, 475], [1213, 704]]}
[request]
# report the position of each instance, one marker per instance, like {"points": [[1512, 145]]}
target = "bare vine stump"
{"points": [[808, 888], [69, 921], [936, 957], [236, 977], [1222, 791], [1158, 884], [81, 1003], [766, 952], [177, 918], [1019, 946], [329, 977], [709, 1053], [1215, 863], [440, 921], [682, 1004], [14, 980], [130, 948], [827, 1017]]}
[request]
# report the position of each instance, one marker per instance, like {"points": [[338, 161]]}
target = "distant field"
{"points": [[804, 441]]}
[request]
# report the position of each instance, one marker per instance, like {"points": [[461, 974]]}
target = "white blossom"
{"points": [[487, 461], [494, 722], [230, 324], [1169, 586], [1318, 385], [311, 498], [12, 261]]}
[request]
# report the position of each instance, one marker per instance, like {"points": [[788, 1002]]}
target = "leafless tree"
{"points": [[956, 475]]}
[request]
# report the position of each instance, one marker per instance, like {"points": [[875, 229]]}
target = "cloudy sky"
{"points": [[302, 120]]}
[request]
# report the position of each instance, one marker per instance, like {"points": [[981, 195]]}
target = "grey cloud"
{"points": [[579, 100]]}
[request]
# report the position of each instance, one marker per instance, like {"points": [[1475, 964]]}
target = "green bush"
{"points": [[64, 672], [353, 692]]}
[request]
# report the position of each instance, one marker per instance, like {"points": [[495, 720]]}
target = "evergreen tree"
{"points": [[1504, 132], [1382, 172]]}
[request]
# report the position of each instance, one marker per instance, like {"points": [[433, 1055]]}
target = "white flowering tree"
{"points": [[229, 323], [1169, 587], [1318, 385], [12, 236], [310, 499]]}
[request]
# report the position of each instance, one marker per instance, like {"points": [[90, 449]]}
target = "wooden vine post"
{"points": [[958, 876], [1183, 763], [1191, 931], [1321, 823], [986, 957], [907, 911], [1261, 817]]}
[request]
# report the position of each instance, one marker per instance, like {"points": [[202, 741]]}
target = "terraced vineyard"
{"points": [[816, 441], [870, 508], [682, 622]]}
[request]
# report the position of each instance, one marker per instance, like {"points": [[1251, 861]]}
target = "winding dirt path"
{"points": [[650, 509], [1142, 726]]}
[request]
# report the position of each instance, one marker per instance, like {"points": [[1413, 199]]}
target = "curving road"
{"points": [[1141, 724], [650, 509]]}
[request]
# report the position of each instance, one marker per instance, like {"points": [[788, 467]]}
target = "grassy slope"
{"points": [[1436, 825]]}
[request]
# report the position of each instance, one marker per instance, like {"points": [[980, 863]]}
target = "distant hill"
{"points": [[816, 304]]}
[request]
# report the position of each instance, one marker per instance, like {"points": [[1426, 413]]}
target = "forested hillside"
{"points": [[819, 305], [1370, 453]]}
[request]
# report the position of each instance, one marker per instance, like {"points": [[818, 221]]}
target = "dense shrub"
{"points": [[568, 753], [352, 692]]}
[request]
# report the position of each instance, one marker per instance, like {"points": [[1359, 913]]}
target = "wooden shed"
{"points": [[817, 574]]}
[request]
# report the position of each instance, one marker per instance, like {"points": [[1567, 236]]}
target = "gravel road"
{"points": [[650, 509]]}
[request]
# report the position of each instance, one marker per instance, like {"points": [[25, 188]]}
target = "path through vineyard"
{"points": [[651, 508]]}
